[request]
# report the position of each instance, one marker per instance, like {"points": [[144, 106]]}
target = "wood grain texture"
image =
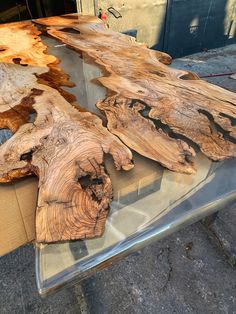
{"points": [[65, 148], [20, 44], [156, 110], [125, 121]]}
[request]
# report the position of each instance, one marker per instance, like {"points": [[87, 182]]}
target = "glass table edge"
{"points": [[158, 230]]}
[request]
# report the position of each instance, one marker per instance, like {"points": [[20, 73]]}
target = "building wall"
{"points": [[179, 27], [196, 25]]}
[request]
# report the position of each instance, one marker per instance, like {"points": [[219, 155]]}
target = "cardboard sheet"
{"points": [[17, 213]]}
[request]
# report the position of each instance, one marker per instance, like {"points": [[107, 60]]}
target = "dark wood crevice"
{"points": [[216, 127], [232, 120]]}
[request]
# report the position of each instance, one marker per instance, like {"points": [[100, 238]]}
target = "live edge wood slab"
{"points": [[63, 147], [154, 109], [158, 111]]}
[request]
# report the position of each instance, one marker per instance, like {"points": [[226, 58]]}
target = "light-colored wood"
{"points": [[20, 44], [141, 135], [64, 147], [156, 110]]}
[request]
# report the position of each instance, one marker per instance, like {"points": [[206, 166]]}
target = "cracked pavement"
{"points": [[169, 276]]}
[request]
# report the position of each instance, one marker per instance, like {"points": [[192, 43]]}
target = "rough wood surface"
{"points": [[21, 45], [156, 110], [63, 146]]}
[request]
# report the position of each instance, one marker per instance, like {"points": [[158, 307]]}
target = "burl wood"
{"points": [[156, 110], [20, 45], [63, 146]]}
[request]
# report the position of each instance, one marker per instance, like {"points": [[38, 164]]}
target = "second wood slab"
{"points": [[156, 110]]}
